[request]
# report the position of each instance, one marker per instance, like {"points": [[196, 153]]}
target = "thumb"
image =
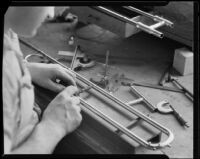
{"points": [[56, 87], [66, 77]]}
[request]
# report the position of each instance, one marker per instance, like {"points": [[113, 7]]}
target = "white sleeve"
{"points": [[11, 110]]}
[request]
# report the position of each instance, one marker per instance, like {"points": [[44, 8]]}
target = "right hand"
{"points": [[63, 113]]}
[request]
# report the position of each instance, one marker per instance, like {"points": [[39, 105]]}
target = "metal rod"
{"points": [[137, 24], [126, 131], [157, 87], [154, 17], [157, 25], [106, 64], [74, 57], [149, 30], [183, 88], [144, 99], [114, 123], [186, 91], [135, 101], [116, 100]]}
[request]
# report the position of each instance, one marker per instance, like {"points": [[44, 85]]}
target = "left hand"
{"points": [[45, 75]]}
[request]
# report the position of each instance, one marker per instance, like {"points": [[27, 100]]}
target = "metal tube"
{"points": [[135, 101], [144, 99], [157, 87], [167, 22], [149, 30], [157, 25], [187, 92], [139, 11], [106, 64], [113, 98], [74, 58], [137, 24], [114, 123], [126, 131], [154, 17], [184, 89]]}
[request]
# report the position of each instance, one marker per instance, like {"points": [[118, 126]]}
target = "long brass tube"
{"points": [[118, 101]]}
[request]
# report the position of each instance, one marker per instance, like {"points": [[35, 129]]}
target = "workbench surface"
{"points": [[141, 57]]}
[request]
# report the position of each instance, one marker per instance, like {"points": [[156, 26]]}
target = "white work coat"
{"points": [[19, 118]]}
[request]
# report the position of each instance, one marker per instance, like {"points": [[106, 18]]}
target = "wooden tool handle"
{"points": [[180, 118]]}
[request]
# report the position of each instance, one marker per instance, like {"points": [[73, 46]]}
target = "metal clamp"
{"points": [[170, 109]]}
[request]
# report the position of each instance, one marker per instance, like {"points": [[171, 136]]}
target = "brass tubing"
{"points": [[116, 100], [74, 58], [157, 87], [154, 17], [137, 24], [149, 30], [114, 123], [144, 99], [157, 25], [134, 101]]}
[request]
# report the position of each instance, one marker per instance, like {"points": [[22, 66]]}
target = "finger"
{"points": [[70, 90], [77, 103], [66, 77], [78, 109], [75, 114], [73, 75], [76, 100], [56, 87], [73, 109]]}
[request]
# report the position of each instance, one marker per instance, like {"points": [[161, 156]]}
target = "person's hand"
{"points": [[46, 75], [63, 113]]}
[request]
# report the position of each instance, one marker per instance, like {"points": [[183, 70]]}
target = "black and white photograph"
{"points": [[100, 78]]}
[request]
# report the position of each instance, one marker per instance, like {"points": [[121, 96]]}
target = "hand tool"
{"points": [[161, 107], [186, 91], [88, 107], [124, 83]]}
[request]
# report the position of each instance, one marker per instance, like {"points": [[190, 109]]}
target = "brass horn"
{"points": [[117, 125]]}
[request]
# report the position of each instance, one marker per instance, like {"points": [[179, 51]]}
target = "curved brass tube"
{"points": [[118, 101]]}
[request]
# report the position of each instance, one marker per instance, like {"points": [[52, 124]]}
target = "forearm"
{"points": [[42, 141], [33, 68]]}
